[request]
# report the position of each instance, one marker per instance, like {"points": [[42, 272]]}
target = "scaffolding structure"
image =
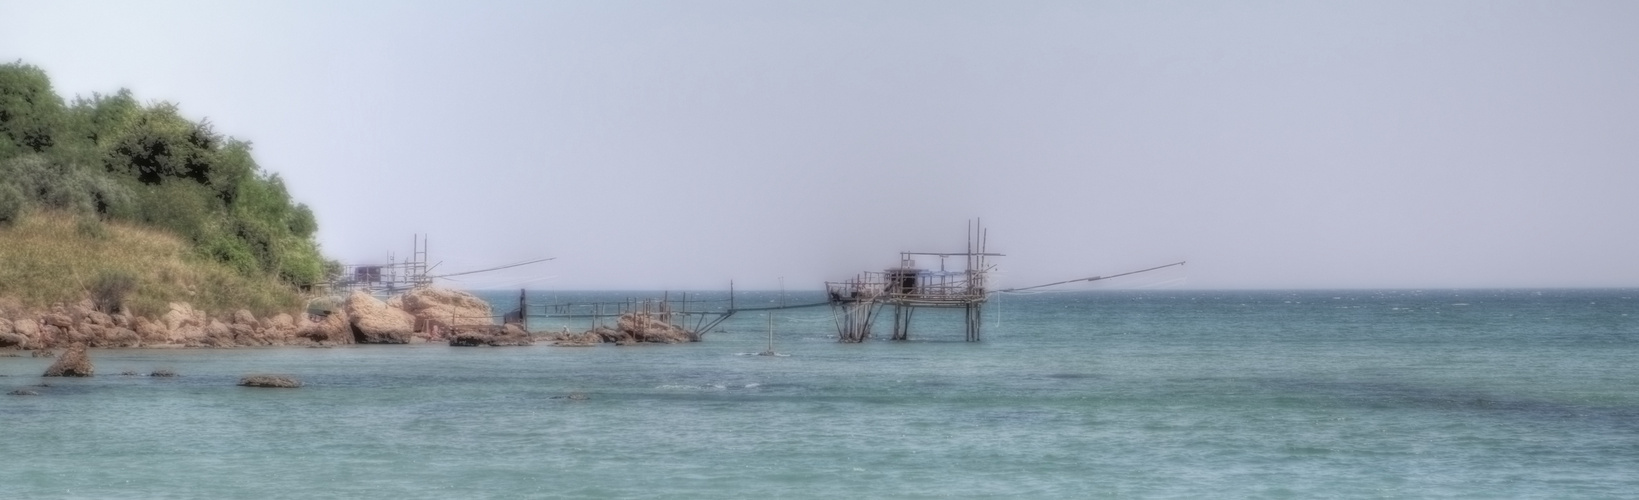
{"points": [[396, 276], [856, 303]]}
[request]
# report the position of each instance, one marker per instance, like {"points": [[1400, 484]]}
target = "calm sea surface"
{"points": [[1355, 394]]}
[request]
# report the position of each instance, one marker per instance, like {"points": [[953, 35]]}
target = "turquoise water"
{"points": [[1354, 394]]}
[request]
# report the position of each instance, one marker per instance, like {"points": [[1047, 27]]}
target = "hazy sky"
{"points": [[683, 144]]}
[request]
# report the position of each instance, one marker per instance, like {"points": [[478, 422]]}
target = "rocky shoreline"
{"points": [[419, 316]]}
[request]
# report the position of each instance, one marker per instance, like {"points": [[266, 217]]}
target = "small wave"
{"points": [[707, 387]]}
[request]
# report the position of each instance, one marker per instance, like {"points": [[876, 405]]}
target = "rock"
{"points": [[48, 335], [73, 363], [470, 338], [641, 327], [180, 315], [374, 322], [334, 329], [188, 334], [42, 354], [98, 318], [508, 335], [152, 332], [447, 309], [275, 381], [163, 372], [244, 334], [219, 335], [13, 340], [58, 320], [5, 326], [95, 335], [22, 392], [584, 339], [282, 321], [121, 337], [26, 327], [244, 317]]}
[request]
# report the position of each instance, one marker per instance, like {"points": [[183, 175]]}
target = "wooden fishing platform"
{"points": [[855, 303]]}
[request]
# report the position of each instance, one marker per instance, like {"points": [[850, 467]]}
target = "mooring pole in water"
{"points": [[523, 312], [902, 322]]}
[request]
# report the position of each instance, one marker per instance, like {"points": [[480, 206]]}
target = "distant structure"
{"points": [[855, 303], [385, 279]]}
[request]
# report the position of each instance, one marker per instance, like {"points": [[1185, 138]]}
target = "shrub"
{"points": [[12, 204], [91, 228], [59, 185], [111, 288]]}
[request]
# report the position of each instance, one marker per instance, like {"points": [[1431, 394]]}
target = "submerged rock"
{"points": [[274, 381], [22, 392], [73, 363]]}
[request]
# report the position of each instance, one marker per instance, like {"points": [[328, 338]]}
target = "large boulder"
{"points": [[91, 334], [641, 327], [122, 337], [152, 332], [73, 363], [63, 321], [30, 328], [27, 327], [217, 334], [447, 308], [281, 321], [507, 335], [182, 314], [9, 339], [98, 318], [331, 329], [374, 322]]}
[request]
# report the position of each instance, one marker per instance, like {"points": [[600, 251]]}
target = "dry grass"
{"points": [[53, 257]]}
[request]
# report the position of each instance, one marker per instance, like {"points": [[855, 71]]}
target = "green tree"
{"points": [[115, 157], [30, 112], [159, 144]]}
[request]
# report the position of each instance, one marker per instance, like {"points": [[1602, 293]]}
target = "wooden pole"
{"points": [[523, 312]]}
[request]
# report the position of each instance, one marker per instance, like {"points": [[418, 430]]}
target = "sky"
{"points": [[681, 145]]}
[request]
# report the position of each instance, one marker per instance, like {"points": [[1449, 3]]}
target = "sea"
{"points": [[1084, 394]]}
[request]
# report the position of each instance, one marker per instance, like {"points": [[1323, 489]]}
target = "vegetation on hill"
{"points": [[109, 164], [55, 257]]}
